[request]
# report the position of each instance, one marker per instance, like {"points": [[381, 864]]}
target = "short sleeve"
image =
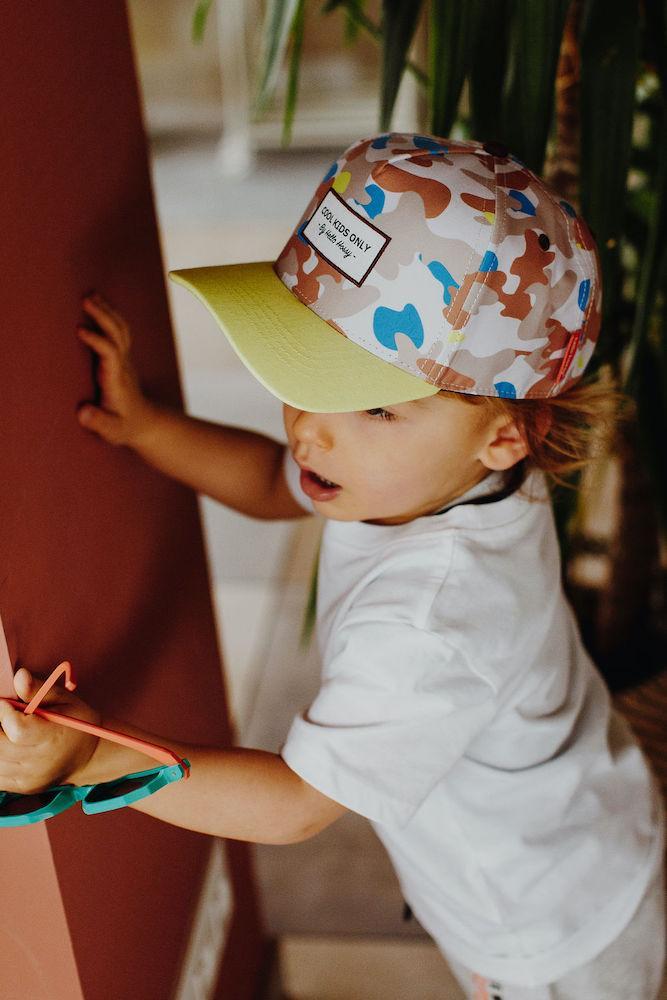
{"points": [[292, 475], [398, 706]]}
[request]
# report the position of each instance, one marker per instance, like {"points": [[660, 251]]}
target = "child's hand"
{"points": [[35, 753], [125, 413]]}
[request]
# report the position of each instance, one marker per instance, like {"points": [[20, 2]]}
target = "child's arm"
{"points": [[239, 468], [238, 793]]}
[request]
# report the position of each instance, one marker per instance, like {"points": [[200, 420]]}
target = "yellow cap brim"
{"points": [[290, 349]]}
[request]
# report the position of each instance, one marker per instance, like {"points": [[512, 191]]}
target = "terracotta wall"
{"points": [[101, 558]]}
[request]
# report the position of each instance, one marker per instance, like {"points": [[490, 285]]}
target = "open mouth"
{"points": [[321, 481], [317, 487]]}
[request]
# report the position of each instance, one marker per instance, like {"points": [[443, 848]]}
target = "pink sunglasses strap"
{"points": [[63, 668], [159, 753]]}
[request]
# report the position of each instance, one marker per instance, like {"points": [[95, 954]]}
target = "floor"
{"points": [[333, 901]]}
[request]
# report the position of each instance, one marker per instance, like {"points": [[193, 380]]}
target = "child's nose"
{"points": [[312, 428]]}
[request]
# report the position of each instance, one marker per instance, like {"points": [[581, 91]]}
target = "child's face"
{"points": [[400, 462]]}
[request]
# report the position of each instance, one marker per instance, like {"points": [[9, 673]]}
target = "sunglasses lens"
{"points": [[23, 805], [109, 790]]}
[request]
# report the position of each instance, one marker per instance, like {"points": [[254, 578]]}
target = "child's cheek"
{"points": [[383, 485]]}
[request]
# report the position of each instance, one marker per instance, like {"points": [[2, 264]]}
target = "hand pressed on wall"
{"points": [[124, 413]]}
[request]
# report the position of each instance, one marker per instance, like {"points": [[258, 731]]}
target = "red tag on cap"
{"points": [[569, 354]]}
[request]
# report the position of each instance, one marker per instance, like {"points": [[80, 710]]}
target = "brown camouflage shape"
{"points": [[488, 283]]}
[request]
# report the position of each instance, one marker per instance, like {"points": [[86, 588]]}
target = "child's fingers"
{"points": [[11, 725], [22, 730], [99, 304], [9, 731], [98, 300], [108, 425], [106, 348], [110, 321], [27, 685]]}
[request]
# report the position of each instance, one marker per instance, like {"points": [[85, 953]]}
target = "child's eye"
{"points": [[382, 414]]}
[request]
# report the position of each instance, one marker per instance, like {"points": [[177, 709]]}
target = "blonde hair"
{"points": [[566, 432]]}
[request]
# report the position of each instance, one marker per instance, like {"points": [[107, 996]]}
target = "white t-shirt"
{"points": [[460, 712]]}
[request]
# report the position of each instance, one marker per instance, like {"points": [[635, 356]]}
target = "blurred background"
{"points": [[229, 186]]}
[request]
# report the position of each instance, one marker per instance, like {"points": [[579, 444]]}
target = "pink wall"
{"points": [[101, 558]]}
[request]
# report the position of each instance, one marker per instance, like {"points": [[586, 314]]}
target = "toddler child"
{"points": [[426, 326]]}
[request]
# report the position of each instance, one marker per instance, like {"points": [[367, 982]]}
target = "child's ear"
{"points": [[505, 445]]}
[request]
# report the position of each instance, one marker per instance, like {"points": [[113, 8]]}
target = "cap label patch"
{"points": [[344, 239]]}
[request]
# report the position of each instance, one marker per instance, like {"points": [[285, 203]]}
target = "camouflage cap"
{"points": [[425, 264]]}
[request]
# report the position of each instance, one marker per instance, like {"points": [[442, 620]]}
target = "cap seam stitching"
{"points": [[570, 223]]}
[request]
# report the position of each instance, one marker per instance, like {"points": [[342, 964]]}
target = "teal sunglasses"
{"points": [[20, 810]]}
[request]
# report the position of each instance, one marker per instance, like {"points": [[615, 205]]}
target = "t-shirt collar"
{"points": [[492, 482], [455, 514]]}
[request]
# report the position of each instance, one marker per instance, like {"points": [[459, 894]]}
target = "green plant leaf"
{"points": [[451, 29], [636, 221], [310, 611], [652, 258], [399, 21], [609, 41], [652, 200], [354, 8], [353, 11], [278, 19], [655, 38], [652, 418], [199, 20], [487, 67], [296, 35], [528, 98]]}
